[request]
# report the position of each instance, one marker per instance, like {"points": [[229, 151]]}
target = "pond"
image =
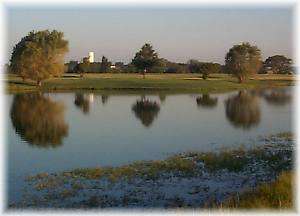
{"points": [[52, 132]]}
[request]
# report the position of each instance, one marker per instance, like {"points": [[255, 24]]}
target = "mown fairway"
{"points": [[154, 82]]}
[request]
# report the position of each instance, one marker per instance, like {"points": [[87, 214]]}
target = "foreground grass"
{"points": [[153, 82], [259, 177], [277, 194]]}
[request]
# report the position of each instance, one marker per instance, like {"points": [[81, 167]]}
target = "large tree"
{"points": [[39, 55], [279, 64], [243, 60], [145, 59]]}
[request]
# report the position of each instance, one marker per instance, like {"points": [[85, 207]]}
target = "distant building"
{"points": [[113, 66], [91, 57]]}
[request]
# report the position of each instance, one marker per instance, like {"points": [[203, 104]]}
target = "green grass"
{"points": [[277, 194], [231, 160], [154, 82], [144, 169]]}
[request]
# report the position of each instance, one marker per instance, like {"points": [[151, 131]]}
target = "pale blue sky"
{"points": [[178, 34]]}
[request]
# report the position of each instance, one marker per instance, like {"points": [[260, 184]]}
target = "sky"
{"points": [[177, 34]]}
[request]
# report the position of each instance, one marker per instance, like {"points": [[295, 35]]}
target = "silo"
{"points": [[91, 57]]}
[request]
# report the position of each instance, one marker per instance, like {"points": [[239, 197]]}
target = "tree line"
{"points": [[40, 55]]}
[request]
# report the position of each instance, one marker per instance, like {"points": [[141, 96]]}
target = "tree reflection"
{"points": [[38, 120], [243, 110], [104, 99], [206, 101], [82, 103], [278, 97], [162, 97], [146, 110]]}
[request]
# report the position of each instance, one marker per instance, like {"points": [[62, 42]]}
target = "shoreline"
{"points": [[187, 180]]}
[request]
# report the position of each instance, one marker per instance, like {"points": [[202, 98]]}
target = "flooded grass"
{"points": [[259, 177], [142, 169], [186, 164]]}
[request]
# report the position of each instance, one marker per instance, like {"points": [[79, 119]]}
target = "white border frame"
{"points": [[143, 3]]}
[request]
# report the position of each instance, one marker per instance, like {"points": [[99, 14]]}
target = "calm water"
{"points": [[61, 131]]}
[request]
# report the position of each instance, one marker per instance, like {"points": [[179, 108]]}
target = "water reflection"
{"points": [[39, 120], [146, 110], [162, 97], [82, 102], [242, 110], [278, 97], [104, 99], [206, 101]]}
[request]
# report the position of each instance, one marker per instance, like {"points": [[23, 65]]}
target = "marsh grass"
{"points": [[277, 194], [143, 169], [187, 164], [231, 160], [285, 135]]}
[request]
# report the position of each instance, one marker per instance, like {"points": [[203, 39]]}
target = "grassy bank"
{"points": [[258, 177], [172, 83], [277, 194]]}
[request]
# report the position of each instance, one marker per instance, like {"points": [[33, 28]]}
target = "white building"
{"points": [[91, 57]]}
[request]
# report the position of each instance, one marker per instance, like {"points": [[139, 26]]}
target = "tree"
{"points": [[194, 66], [204, 68], [105, 64], [145, 59], [172, 67], [243, 60], [71, 66], [279, 64], [119, 65], [38, 120], [242, 110], [159, 67], [213, 67], [146, 110], [82, 67], [39, 55], [129, 68]]}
